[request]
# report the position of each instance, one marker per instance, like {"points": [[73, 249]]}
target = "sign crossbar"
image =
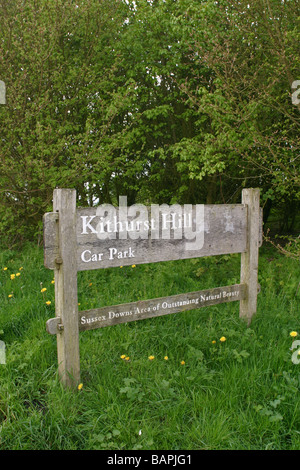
{"points": [[143, 309]]}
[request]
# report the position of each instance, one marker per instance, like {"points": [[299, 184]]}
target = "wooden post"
{"points": [[66, 301], [249, 259]]}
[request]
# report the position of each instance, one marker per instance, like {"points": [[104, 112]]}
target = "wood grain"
{"points": [[51, 251], [224, 231], [249, 259], [143, 309], [66, 303]]}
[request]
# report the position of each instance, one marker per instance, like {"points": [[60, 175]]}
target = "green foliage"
{"points": [[252, 54], [162, 101], [58, 60]]}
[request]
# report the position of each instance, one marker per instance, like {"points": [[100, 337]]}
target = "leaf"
{"points": [[244, 354], [195, 353], [275, 403], [127, 381], [165, 384], [276, 417]]}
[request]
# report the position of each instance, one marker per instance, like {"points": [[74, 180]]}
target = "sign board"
{"points": [[79, 239], [169, 235]]}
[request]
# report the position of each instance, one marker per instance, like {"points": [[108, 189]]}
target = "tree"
{"points": [[58, 62], [161, 100], [251, 50]]}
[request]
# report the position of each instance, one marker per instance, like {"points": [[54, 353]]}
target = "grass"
{"points": [[242, 393]]}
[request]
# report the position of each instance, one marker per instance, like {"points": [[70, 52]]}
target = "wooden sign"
{"points": [[223, 231], [106, 236]]}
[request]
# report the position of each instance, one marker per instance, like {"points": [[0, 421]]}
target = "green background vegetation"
{"points": [[163, 101]]}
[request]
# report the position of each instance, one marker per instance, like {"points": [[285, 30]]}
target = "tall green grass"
{"points": [[239, 394]]}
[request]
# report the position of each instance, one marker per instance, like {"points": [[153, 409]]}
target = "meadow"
{"points": [[190, 381]]}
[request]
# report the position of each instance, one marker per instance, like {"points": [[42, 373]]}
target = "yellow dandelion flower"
{"points": [[80, 386], [79, 304], [121, 266], [127, 358], [123, 356], [48, 302], [151, 358], [90, 284], [18, 274], [182, 363], [12, 276], [43, 290], [53, 281], [222, 339], [5, 269], [166, 358], [133, 266], [214, 341], [10, 296], [20, 269], [293, 334]]}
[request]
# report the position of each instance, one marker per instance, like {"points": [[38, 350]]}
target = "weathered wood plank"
{"points": [[66, 303], [51, 250], [261, 227], [54, 325], [143, 309], [223, 232], [249, 259]]}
